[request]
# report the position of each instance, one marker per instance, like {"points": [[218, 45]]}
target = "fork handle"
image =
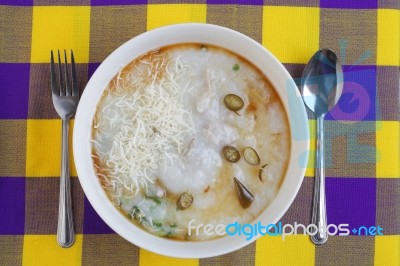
{"points": [[65, 228]]}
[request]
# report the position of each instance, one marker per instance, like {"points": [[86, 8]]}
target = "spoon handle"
{"points": [[319, 205]]}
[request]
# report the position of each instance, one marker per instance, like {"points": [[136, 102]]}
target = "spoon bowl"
{"points": [[322, 82]]}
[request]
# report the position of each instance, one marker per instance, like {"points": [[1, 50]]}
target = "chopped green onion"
{"points": [[137, 215], [157, 224], [155, 199], [235, 67]]}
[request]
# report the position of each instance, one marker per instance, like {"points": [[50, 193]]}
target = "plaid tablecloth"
{"points": [[362, 132]]}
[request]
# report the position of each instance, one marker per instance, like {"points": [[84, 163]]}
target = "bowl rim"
{"points": [[174, 34]]}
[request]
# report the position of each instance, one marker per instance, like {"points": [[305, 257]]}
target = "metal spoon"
{"points": [[321, 88]]}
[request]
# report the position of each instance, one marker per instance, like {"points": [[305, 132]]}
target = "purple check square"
{"points": [[236, 2], [17, 2], [93, 224], [357, 102], [12, 205], [350, 4], [92, 68], [117, 2], [351, 201], [14, 90]]}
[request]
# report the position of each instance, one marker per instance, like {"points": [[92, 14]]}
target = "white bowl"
{"points": [[190, 33]]}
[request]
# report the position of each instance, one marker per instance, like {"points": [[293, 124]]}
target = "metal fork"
{"points": [[65, 101]]}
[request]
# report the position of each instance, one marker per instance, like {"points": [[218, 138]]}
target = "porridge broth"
{"points": [[161, 132]]}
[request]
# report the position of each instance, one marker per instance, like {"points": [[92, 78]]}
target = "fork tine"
{"points": [[68, 91], [75, 89], [62, 91], [54, 87]]}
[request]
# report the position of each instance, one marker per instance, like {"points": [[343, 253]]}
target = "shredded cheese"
{"points": [[142, 123]]}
